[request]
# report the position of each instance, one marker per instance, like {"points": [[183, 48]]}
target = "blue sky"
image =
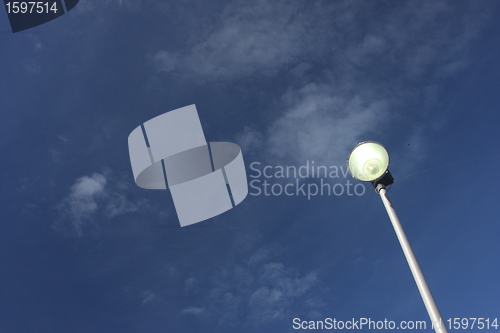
{"points": [[82, 249]]}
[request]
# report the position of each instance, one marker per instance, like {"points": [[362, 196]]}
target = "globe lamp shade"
{"points": [[368, 161]]}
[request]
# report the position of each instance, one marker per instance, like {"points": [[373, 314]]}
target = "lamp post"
{"points": [[369, 162]]}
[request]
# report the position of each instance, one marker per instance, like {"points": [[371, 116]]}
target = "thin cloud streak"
{"points": [[91, 196], [253, 38], [256, 292], [370, 79], [344, 79], [82, 202]]}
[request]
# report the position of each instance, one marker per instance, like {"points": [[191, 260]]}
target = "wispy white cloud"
{"points": [[57, 149], [117, 202], [255, 292], [194, 311], [82, 202], [149, 297], [64, 139], [280, 287], [164, 61], [320, 123], [90, 197], [33, 67], [190, 285], [263, 37], [249, 139], [344, 78], [252, 38], [250, 291], [373, 75]]}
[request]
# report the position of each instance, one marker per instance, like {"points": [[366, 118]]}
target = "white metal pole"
{"points": [[437, 320]]}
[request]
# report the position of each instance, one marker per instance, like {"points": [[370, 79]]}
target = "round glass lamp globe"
{"points": [[368, 161]]}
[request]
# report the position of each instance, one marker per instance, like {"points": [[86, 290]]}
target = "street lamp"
{"points": [[369, 162]]}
